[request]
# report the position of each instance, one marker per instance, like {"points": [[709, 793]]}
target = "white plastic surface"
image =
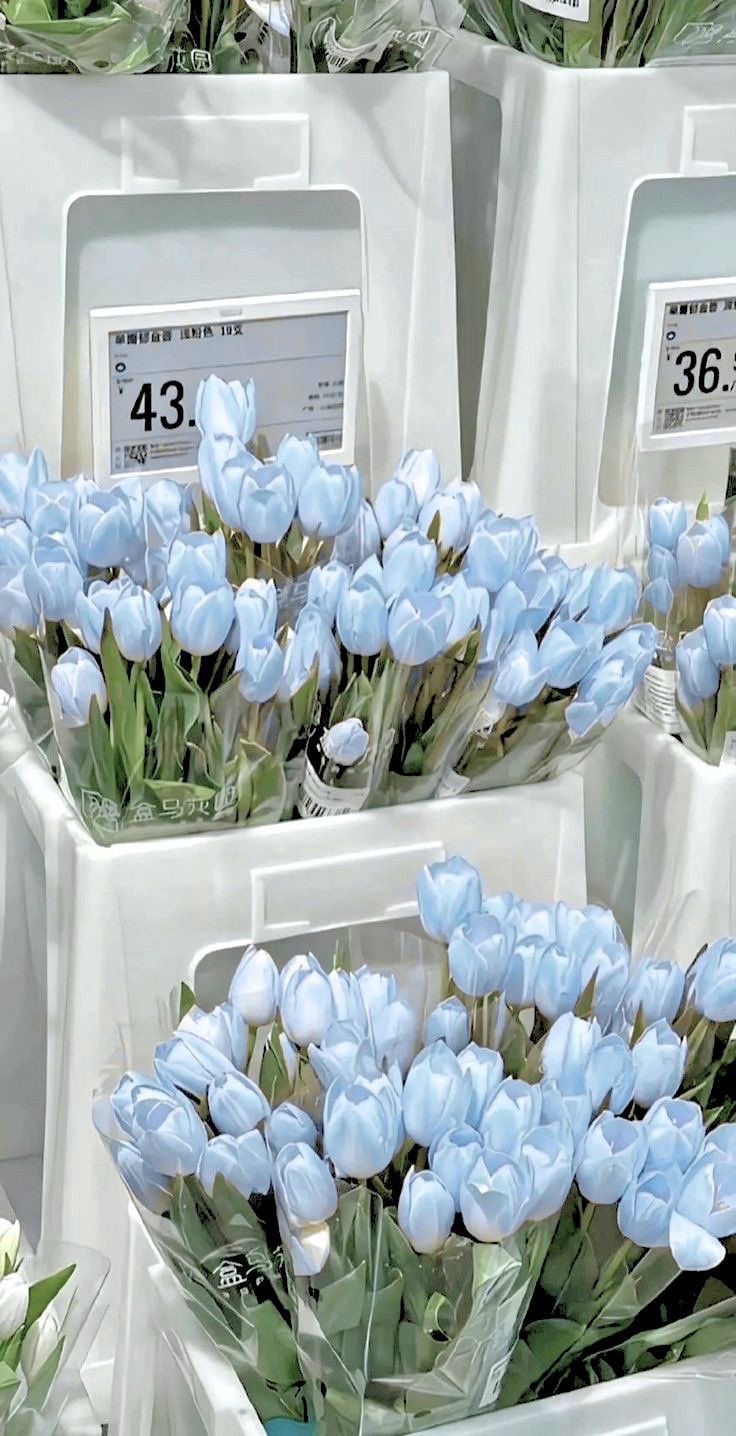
{"points": [[661, 839], [282, 185], [547, 165], [198, 1394], [125, 925]]}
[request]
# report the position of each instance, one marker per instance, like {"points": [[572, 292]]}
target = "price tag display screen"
{"points": [[152, 371], [688, 390]]}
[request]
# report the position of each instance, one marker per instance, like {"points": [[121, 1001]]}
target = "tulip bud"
{"points": [[426, 1211], [450, 1023], [254, 990], [14, 1293], [39, 1345]]}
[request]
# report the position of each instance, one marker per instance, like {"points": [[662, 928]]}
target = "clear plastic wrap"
{"points": [[116, 37], [607, 33]]}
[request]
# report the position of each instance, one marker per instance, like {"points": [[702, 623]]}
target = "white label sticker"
{"points": [[562, 9], [452, 784], [320, 800], [687, 384], [728, 756], [656, 698]]}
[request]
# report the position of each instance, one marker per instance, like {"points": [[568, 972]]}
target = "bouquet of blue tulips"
{"points": [[273, 642], [516, 1148], [706, 683], [687, 565], [45, 1330]]}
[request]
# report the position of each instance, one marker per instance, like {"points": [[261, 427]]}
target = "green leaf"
{"points": [[126, 731], [703, 510], [103, 754], [187, 1000], [8, 1378], [439, 1317], [43, 1292], [191, 1221], [276, 1359], [385, 1310], [341, 1303]]}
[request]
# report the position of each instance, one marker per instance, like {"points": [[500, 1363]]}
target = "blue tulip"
{"points": [[16, 609], [698, 677], [201, 618], [436, 1094], [77, 682], [521, 673], [613, 597], [544, 584], [313, 643], [345, 1052], [610, 1159], [660, 596], [49, 506], [326, 586], [136, 622], [359, 542], [549, 1154], [15, 544], [104, 529], [666, 521], [287, 1124], [458, 507], [674, 1131], [610, 1074], [19, 477], [452, 1158], [646, 1207], [578, 592], [568, 649], [521, 974], [198, 558], [151, 1188], [262, 669], [303, 1185], [655, 988], [568, 1112], [394, 1032], [226, 410], [719, 624], [559, 982], [418, 625], [495, 1197], [307, 1003], [712, 982], [168, 1133], [721, 1142], [329, 500], [267, 503], [243, 1161], [506, 616], [426, 1211], [448, 1022], [612, 678], [362, 1125], [121, 1101], [92, 606], [394, 504], [167, 512], [704, 1212], [469, 607], [567, 1051], [236, 1104], [345, 743], [223, 1027], [298, 457], [53, 579], [703, 552], [256, 614], [479, 953], [255, 988], [362, 618], [223, 465], [513, 1111], [190, 1063], [420, 469], [483, 1069], [659, 1058], [500, 550], [447, 894], [409, 562], [662, 564]]}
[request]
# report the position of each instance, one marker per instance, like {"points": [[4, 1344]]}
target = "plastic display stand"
{"points": [[170, 1380], [547, 163], [286, 185], [125, 925], [661, 839]]}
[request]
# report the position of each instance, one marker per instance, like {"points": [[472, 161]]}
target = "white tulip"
{"points": [[14, 1291], [42, 1339], [254, 990]]}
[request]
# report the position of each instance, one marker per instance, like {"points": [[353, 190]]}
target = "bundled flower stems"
{"points": [[530, 1158], [274, 644]]}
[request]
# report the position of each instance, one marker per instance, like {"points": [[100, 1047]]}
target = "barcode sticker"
{"points": [[656, 698], [321, 800], [562, 9], [728, 756]]}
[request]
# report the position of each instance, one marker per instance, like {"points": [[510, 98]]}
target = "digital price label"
{"points": [[302, 351], [687, 389]]}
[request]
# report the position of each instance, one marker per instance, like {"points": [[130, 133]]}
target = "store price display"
{"points": [[147, 364], [687, 390]]}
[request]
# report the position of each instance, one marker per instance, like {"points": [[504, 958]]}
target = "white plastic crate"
{"points": [[556, 171], [125, 924], [165, 1351], [661, 839], [284, 185]]}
